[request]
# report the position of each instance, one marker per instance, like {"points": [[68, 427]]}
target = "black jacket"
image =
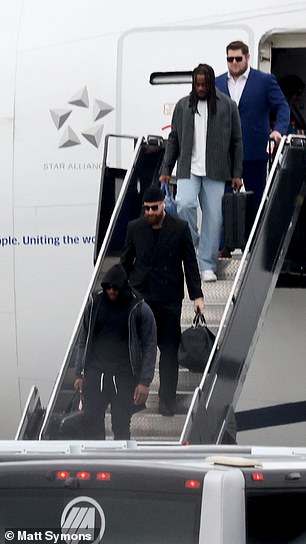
{"points": [[156, 271], [141, 325]]}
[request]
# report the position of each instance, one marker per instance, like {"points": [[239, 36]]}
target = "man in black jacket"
{"points": [[116, 355], [156, 248]]}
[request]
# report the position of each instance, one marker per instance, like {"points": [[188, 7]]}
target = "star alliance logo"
{"points": [[70, 136]]}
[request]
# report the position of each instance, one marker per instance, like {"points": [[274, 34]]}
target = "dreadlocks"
{"points": [[207, 71]]}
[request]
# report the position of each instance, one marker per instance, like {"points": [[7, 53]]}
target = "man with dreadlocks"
{"points": [[206, 142]]}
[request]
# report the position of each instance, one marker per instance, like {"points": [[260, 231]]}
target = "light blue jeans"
{"points": [[208, 193]]}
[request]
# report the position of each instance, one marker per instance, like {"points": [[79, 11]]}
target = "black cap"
{"points": [[153, 194]]}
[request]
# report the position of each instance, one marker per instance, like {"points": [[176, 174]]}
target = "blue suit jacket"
{"points": [[261, 95]]}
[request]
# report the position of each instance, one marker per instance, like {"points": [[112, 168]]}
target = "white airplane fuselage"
{"points": [[71, 73]]}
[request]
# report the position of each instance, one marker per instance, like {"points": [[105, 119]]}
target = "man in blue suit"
{"points": [[257, 94]]}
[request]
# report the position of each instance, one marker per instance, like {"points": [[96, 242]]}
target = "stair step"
{"points": [[227, 268], [152, 426]]}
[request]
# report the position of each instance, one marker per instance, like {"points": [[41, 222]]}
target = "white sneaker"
{"points": [[208, 275]]}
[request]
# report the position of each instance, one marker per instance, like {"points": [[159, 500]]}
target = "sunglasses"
{"points": [[231, 59], [153, 207], [109, 286]]}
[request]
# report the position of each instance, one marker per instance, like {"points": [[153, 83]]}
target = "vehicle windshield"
{"points": [[111, 517]]}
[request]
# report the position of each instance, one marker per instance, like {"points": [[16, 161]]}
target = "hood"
{"points": [[116, 275]]}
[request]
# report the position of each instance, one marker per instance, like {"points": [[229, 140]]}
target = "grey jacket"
{"points": [[142, 338], [224, 152]]}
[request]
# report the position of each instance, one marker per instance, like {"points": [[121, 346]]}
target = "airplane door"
{"points": [[284, 54], [146, 107]]}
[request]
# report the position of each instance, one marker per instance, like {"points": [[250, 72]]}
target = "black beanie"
{"points": [[153, 194]]}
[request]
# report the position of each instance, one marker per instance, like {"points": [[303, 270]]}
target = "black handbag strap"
{"points": [[199, 319]]}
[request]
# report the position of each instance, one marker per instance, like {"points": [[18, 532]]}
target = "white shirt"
{"points": [[198, 156], [236, 86]]}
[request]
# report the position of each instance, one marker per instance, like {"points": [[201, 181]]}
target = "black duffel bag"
{"points": [[195, 345], [72, 424]]}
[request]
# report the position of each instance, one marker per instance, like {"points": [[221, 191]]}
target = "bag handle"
{"points": [[199, 319], [165, 187]]}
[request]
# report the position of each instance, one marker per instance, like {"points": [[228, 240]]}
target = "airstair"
{"points": [[235, 305]]}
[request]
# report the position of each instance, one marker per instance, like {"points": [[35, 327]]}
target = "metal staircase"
{"points": [[234, 306], [149, 425]]}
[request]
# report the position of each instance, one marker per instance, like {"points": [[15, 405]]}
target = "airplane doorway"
{"points": [[283, 53], [288, 65]]}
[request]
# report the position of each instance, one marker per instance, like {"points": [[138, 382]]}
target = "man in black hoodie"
{"points": [[116, 355]]}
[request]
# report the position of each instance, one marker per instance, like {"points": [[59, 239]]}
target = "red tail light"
{"points": [[62, 475], [257, 476], [103, 476], [192, 484], [83, 475]]}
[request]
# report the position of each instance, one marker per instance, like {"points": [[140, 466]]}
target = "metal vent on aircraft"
{"points": [[69, 138], [80, 98], [59, 116], [94, 135], [101, 109]]}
